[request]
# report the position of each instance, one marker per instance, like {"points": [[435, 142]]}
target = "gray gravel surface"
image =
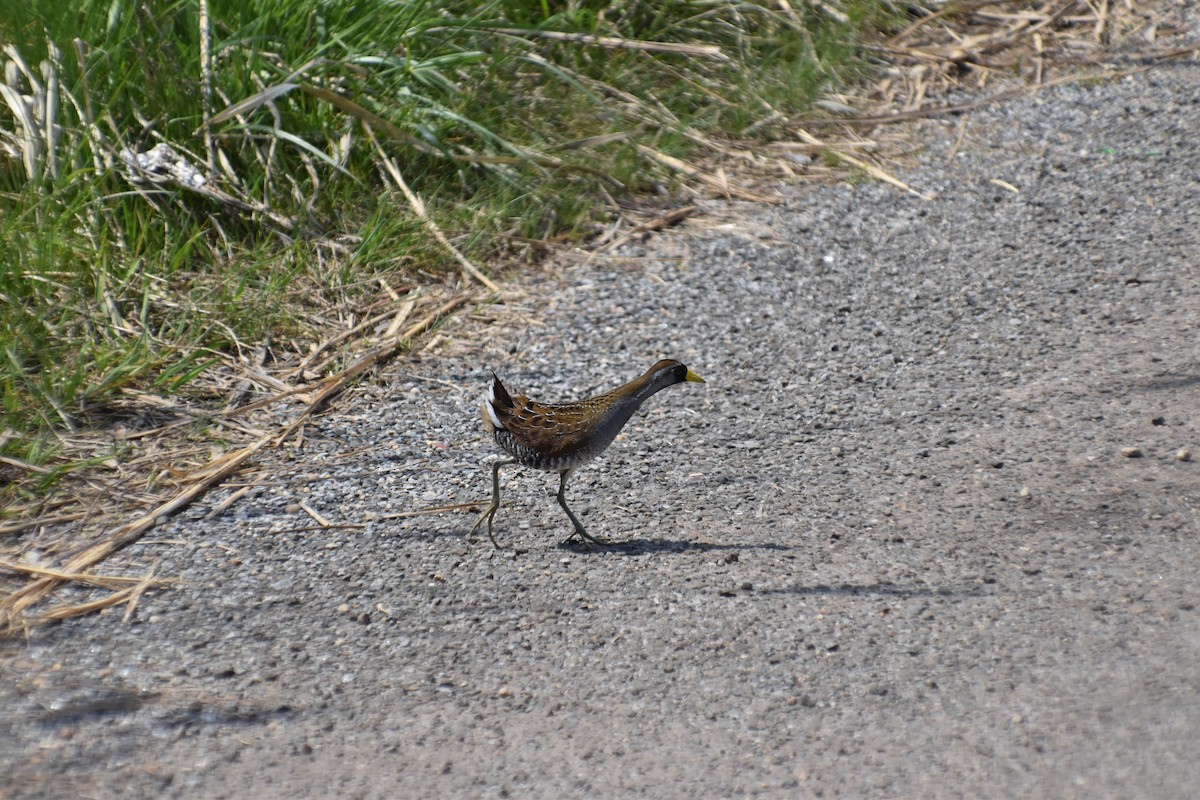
{"points": [[898, 545]]}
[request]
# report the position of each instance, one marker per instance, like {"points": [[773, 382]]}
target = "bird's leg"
{"points": [[495, 506], [562, 501]]}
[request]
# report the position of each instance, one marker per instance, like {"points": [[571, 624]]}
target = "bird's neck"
{"points": [[629, 399]]}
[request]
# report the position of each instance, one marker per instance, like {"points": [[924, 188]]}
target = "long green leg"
{"points": [[562, 501], [495, 506]]}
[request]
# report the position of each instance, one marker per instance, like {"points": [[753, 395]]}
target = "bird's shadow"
{"points": [[638, 547], [873, 589]]}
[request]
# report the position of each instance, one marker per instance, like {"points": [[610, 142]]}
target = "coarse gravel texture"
{"points": [[926, 532]]}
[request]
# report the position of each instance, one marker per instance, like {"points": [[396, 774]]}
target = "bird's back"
{"points": [[552, 436]]}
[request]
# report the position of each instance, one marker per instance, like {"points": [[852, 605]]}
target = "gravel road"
{"points": [[929, 530]]}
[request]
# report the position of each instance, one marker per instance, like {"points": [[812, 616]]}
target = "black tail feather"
{"points": [[501, 395]]}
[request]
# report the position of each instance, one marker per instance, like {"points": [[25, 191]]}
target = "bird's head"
{"points": [[669, 372]]}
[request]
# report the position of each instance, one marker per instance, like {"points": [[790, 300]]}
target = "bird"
{"points": [[561, 437]]}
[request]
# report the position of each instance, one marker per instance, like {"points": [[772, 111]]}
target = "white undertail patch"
{"points": [[490, 409]]}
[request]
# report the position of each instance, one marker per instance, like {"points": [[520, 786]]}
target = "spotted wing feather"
{"points": [[554, 431]]}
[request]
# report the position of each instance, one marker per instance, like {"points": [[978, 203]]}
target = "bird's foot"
{"points": [[488, 515], [587, 540]]}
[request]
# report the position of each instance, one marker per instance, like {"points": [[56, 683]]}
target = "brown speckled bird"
{"points": [[559, 437]]}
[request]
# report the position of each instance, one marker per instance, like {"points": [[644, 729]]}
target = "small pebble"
{"points": [[1131, 452], [1183, 454], [1025, 492]]}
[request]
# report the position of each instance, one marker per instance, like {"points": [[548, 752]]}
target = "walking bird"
{"points": [[560, 437]]}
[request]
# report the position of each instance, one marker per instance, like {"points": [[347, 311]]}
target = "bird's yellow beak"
{"points": [[693, 377]]}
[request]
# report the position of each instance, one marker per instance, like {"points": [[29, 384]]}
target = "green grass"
{"points": [[108, 285]]}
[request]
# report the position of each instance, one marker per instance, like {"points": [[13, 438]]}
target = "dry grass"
{"points": [[261, 408], [977, 44]]}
